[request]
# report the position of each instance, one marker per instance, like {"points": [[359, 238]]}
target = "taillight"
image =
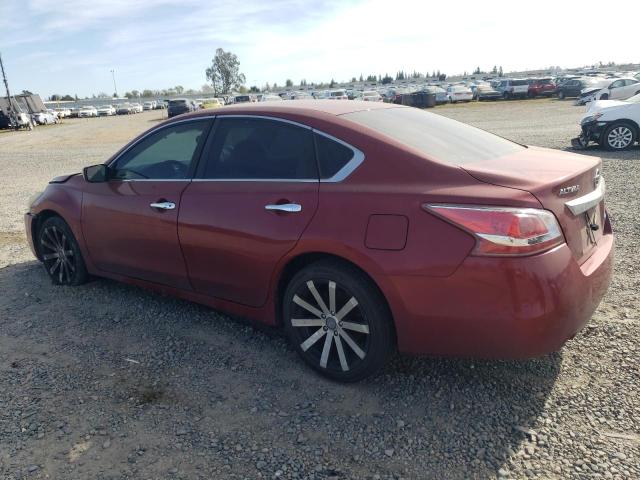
{"points": [[504, 230]]}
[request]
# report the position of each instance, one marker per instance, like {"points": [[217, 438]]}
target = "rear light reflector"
{"points": [[503, 230]]}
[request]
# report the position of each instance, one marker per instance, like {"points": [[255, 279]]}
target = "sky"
{"points": [[71, 46]]}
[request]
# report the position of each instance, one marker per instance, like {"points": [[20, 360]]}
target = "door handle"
{"points": [[163, 205], [285, 207]]}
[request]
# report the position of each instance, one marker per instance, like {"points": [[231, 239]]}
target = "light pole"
{"points": [[113, 75]]}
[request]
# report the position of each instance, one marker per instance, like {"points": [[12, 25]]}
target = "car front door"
{"points": [[129, 222], [255, 192], [616, 89]]}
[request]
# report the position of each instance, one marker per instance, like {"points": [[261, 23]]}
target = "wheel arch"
{"points": [[298, 262], [40, 218]]}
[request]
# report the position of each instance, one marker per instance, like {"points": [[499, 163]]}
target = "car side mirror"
{"points": [[96, 173]]}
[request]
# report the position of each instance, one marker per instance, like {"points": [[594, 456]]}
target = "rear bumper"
{"points": [[506, 308]]}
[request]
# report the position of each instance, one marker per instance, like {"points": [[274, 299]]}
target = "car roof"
{"points": [[309, 108]]}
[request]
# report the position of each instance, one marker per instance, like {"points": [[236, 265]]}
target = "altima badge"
{"points": [[569, 190]]}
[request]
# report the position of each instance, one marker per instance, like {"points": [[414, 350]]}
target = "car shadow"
{"points": [[418, 418]]}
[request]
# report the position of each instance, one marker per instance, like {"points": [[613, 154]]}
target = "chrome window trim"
{"points": [[340, 175]]}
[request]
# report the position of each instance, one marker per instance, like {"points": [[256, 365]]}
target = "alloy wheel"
{"points": [[58, 255], [620, 137], [329, 325]]}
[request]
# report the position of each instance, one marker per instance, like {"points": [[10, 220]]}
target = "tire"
{"points": [[604, 96], [506, 95], [342, 340], [618, 136], [60, 253], [561, 95]]}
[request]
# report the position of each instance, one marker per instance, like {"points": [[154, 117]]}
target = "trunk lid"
{"points": [[567, 184]]}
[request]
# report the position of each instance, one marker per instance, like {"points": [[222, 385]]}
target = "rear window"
{"points": [[519, 82], [435, 136], [175, 103]]}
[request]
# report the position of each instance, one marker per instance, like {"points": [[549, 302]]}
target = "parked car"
{"points": [[337, 95], [440, 93], [136, 107], [486, 92], [149, 105], [74, 112], [612, 89], [371, 96], [88, 111], [613, 124], [574, 86], [459, 93], [267, 97], [178, 106], [212, 103], [160, 105], [63, 112], [470, 245], [106, 111], [541, 87], [511, 88]]}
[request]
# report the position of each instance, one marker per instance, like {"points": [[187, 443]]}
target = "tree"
{"points": [[115, 95], [135, 93], [68, 98], [353, 80], [361, 79], [224, 72], [147, 93], [206, 88], [332, 84], [494, 70], [500, 72], [477, 71], [442, 76], [179, 89], [288, 83], [129, 95], [386, 79], [254, 89]]}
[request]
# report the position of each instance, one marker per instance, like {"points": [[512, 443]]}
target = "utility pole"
{"points": [[113, 75], [12, 113]]}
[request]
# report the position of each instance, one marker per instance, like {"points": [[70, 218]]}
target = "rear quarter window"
{"points": [[332, 156]]}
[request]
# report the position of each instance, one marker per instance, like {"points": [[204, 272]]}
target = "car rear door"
{"points": [[255, 192], [129, 222]]}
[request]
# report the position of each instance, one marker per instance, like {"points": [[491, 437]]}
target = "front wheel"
{"points": [[618, 136], [338, 321], [60, 253], [560, 95]]}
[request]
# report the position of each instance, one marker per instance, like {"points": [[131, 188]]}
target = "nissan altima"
{"points": [[358, 227]]}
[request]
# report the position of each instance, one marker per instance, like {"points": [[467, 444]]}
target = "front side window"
{"points": [[260, 149], [167, 154]]}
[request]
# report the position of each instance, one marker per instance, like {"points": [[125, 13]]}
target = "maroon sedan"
{"points": [[358, 227]]}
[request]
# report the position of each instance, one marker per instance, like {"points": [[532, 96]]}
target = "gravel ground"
{"points": [[108, 381]]}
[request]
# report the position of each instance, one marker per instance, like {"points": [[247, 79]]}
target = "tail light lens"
{"points": [[503, 230]]}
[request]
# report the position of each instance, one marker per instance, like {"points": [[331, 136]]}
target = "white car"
{"points": [[371, 96], [136, 108], [459, 93], [614, 124], [149, 105], [88, 111], [63, 112], [267, 97], [610, 89], [335, 95], [106, 110], [43, 118]]}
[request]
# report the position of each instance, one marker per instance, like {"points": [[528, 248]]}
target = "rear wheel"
{"points": [[618, 136], [604, 96], [60, 253], [337, 321], [560, 95]]}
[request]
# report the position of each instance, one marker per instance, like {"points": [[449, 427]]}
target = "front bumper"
{"points": [[507, 308], [591, 132], [29, 219]]}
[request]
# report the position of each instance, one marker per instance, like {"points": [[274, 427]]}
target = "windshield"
{"points": [[519, 82], [435, 136]]}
